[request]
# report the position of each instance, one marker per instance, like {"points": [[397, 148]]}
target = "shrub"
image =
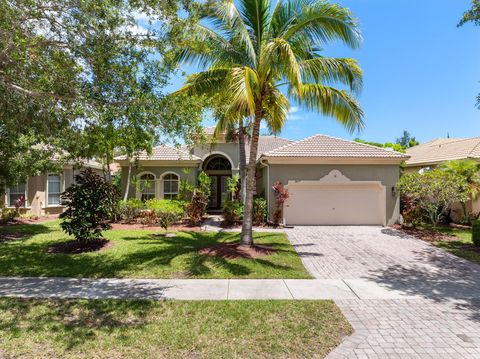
{"points": [[259, 211], [162, 206], [196, 208], [281, 195], [185, 191], [7, 214], [232, 211], [90, 203], [476, 233], [131, 209], [434, 192]]}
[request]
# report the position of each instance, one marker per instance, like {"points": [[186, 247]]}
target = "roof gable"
{"points": [[164, 153], [444, 149], [327, 146]]}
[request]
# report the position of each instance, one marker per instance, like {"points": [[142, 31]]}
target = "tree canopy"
{"points": [[86, 76]]}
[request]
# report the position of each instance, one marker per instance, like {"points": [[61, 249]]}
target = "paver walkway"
{"points": [[436, 313]]}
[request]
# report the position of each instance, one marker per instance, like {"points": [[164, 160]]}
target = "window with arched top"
{"points": [[147, 186], [218, 164], [170, 186]]}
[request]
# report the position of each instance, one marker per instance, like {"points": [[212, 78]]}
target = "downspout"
{"points": [[264, 162]]}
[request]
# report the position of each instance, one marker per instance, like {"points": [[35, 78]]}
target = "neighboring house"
{"points": [[429, 155], [331, 181], [42, 193]]}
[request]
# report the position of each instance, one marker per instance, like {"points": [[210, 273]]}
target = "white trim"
{"points": [[62, 188], [7, 196], [161, 187], [218, 153], [138, 194]]}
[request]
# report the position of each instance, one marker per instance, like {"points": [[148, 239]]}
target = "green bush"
{"points": [[90, 203], [232, 211], [166, 211], [476, 233], [131, 209], [259, 211], [7, 214]]}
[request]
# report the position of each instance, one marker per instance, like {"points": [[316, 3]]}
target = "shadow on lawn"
{"points": [[69, 322], [152, 255]]}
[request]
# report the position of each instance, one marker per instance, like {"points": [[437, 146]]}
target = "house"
{"points": [[440, 150], [331, 181], [42, 192]]}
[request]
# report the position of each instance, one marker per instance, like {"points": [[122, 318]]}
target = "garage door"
{"points": [[352, 203]]}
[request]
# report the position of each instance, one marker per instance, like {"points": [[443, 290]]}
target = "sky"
{"points": [[421, 73]]}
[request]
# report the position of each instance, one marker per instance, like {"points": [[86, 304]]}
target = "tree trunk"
{"points": [[109, 173], [246, 235], [243, 162], [129, 175]]}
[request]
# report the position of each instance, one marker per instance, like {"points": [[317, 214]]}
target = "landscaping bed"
{"points": [[169, 329], [144, 254], [457, 241]]}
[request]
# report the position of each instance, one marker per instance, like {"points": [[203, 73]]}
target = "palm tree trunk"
{"points": [[243, 161], [129, 175], [246, 235]]}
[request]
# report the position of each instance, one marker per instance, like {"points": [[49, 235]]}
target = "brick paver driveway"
{"points": [[440, 314]]}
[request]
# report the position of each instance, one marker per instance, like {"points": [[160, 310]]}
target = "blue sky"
{"points": [[421, 73]]}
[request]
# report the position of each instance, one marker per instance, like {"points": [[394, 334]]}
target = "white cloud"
{"points": [[140, 16], [293, 109]]}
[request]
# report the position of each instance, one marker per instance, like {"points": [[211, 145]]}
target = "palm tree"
{"points": [[255, 52]]}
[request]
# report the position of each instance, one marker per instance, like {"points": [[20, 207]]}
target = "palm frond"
{"points": [[244, 88], [330, 101], [281, 57], [256, 16], [323, 22], [211, 82], [276, 107], [326, 70]]}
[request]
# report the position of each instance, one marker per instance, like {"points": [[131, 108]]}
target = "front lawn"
{"points": [[140, 254], [463, 247], [169, 329]]}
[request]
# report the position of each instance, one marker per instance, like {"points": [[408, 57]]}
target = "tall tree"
{"points": [[472, 15], [407, 140], [71, 68], [255, 50]]}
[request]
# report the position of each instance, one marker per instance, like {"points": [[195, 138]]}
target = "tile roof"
{"points": [[165, 153], [267, 143], [444, 149], [326, 146]]}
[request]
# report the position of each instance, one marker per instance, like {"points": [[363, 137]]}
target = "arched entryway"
{"points": [[219, 169]]}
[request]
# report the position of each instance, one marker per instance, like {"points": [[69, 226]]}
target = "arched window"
{"points": [[170, 186], [147, 186], [218, 164]]}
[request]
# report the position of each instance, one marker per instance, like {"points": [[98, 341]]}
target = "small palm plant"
{"points": [[262, 55]]}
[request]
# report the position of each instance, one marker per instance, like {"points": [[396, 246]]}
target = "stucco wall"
{"points": [[229, 149], [158, 172], [387, 174]]}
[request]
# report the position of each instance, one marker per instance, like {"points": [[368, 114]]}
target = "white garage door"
{"points": [[352, 203]]}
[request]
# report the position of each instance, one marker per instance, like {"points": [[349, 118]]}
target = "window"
{"points": [[147, 187], [15, 193], [218, 163], [170, 186], [54, 190]]}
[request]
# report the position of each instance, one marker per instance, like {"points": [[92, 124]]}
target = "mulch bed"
{"points": [[426, 234], [237, 250], [76, 247], [239, 226], [33, 220], [14, 236], [183, 226]]}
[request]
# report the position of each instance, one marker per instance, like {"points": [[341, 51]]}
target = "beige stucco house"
{"points": [[42, 192], [331, 181], [440, 150]]}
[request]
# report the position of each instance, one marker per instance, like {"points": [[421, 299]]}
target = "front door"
{"points": [[219, 191]]}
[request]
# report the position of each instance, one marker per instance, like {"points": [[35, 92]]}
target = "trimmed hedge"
{"points": [[476, 233]]}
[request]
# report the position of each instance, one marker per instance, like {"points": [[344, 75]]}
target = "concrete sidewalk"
{"points": [[201, 289]]}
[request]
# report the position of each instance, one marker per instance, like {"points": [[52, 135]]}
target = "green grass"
{"points": [[139, 254], [460, 247], [31, 328]]}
